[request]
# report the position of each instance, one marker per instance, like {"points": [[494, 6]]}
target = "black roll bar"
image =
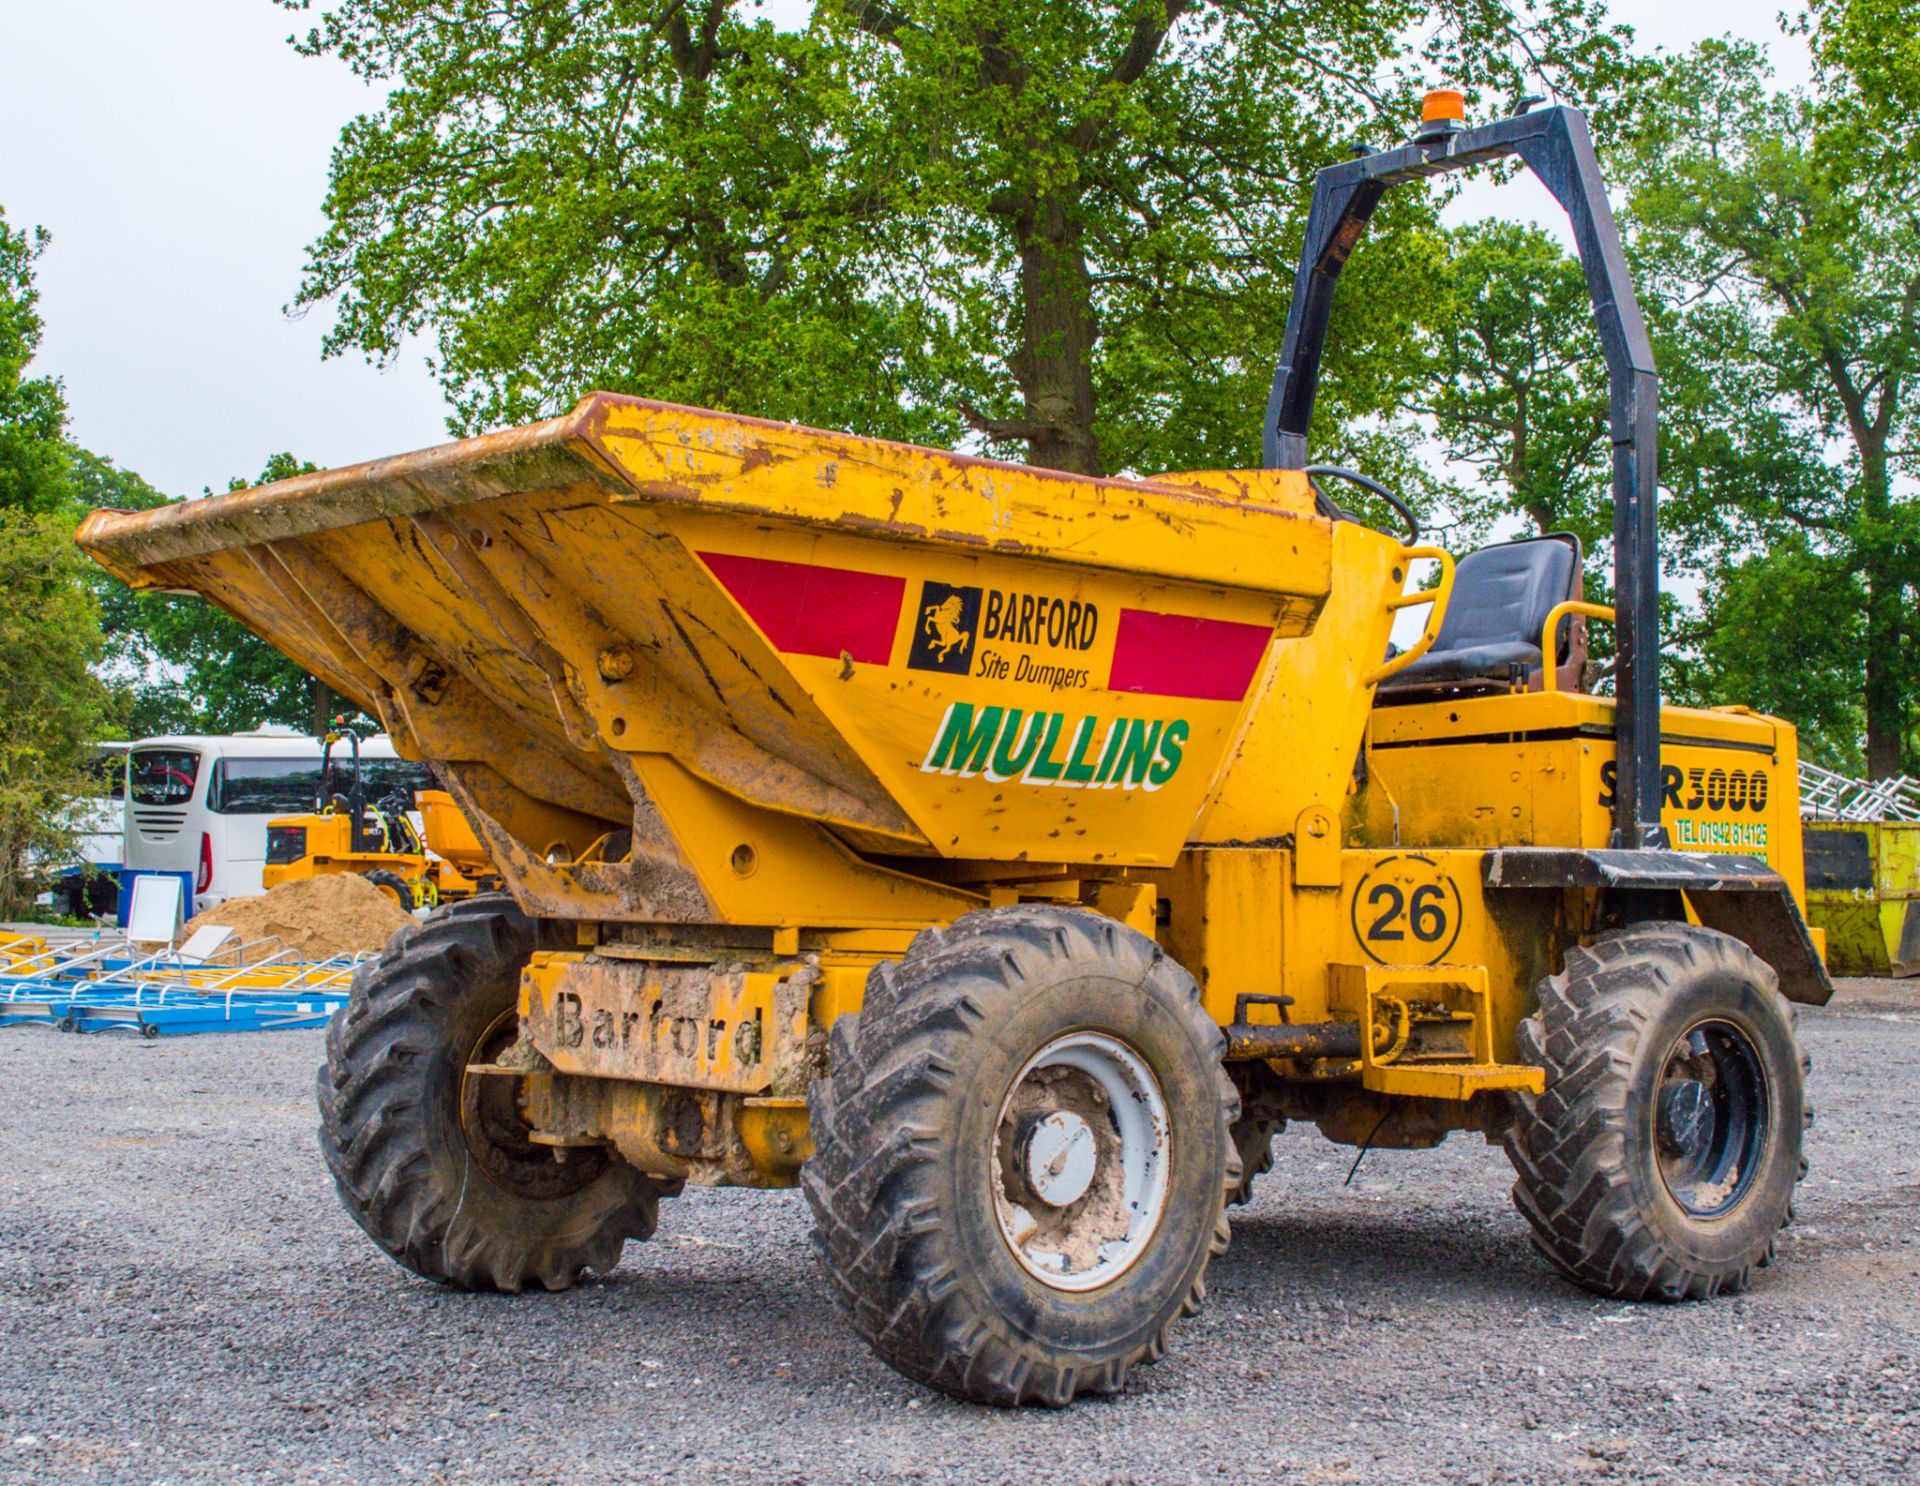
{"points": [[362, 837], [1555, 145]]}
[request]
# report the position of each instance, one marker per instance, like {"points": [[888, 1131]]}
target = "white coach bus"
{"points": [[201, 804]]}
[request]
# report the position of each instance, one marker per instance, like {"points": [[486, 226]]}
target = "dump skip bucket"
{"points": [[646, 607]]}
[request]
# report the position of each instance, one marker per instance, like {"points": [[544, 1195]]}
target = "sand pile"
{"points": [[315, 917]]}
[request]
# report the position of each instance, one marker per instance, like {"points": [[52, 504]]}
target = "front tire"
{"points": [[434, 1163], [1660, 1162], [394, 886], [1022, 1155]]}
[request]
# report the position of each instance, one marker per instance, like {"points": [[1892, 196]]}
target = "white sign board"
{"points": [[154, 915]]}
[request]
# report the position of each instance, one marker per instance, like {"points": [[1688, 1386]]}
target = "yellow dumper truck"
{"points": [[348, 833], [1002, 855]]}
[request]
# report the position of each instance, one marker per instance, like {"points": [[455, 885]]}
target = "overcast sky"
{"points": [[177, 151]]}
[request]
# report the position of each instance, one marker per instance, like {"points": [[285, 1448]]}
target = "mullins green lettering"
{"points": [[1057, 749]]}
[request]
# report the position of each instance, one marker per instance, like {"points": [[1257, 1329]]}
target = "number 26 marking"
{"points": [[1401, 919], [1426, 913]]}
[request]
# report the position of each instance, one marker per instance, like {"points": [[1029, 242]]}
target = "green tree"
{"points": [[1811, 669], [621, 193], [1069, 226], [33, 410], [81, 656], [1516, 386], [1792, 259], [51, 702], [147, 697], [1875, 46], [51, 707]]}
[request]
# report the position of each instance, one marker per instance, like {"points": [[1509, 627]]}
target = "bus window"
{"points": [[163, 776], [262, 786]]}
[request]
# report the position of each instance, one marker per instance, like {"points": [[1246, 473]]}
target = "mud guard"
{"points": [[1739, 896]]}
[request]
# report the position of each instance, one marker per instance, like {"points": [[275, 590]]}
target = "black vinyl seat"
{"points": [[1501, 599]]}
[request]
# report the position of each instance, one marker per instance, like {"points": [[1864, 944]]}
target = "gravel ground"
{"points": [[181, 1299]]}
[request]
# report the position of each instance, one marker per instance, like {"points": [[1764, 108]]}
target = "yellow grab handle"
{"points": [[1437, 597], [1549, 672]]}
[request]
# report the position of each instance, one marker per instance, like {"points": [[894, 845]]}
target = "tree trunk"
{"points": [[1054, 365], [1886, 703], [322, 713], [1885, 712]]}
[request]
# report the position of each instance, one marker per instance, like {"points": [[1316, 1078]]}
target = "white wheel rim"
{"points": [[1082, 1088]]}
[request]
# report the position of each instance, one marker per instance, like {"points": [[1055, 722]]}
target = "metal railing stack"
{"points": [[1826, 795], [112, 986]]}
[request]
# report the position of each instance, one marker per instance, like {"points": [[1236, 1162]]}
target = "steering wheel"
{"points": [[1367, 483]]}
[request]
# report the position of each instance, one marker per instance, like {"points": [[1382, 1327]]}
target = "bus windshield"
{"points": [[163, 776]]}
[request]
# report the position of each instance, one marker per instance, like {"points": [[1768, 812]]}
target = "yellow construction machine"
{"points": [[1002, 854], [376, 839]]}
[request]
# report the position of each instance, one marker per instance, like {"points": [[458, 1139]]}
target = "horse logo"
{"points": [[942, 626], [949, 620]]}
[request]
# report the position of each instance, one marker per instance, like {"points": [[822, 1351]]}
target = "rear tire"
{"points": [[1660, 1162], [970, 1256], [435, 1164]]}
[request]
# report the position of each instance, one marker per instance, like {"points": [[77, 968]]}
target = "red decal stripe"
{"points": [[808, 610], [1182, 655]]}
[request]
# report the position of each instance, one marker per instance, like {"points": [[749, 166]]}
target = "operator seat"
{"points": [[1490, 638]]}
